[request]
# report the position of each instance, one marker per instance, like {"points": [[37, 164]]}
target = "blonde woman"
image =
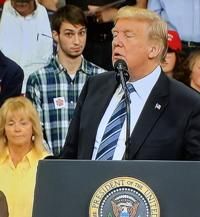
{"points": [[20, 150]]}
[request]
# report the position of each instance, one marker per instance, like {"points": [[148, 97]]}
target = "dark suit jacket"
{"points": [[11, 78], [169, 133]]}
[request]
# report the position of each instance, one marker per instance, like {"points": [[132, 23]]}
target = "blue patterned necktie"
{"points": [[113, 129]]}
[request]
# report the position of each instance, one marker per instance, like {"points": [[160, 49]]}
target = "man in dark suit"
{"points": [[165, 114], [11, 78]]}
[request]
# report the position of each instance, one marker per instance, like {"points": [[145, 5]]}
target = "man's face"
{"points": [[131, 43], [23, 7], [71, 39]]}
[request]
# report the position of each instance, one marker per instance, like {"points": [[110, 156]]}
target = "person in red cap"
{"points": [[171, 64]]}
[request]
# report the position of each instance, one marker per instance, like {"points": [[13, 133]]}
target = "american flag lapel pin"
{"points": [[158, 106]]}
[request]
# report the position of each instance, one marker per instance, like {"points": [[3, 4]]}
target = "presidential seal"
{"points": [[124, 197]]}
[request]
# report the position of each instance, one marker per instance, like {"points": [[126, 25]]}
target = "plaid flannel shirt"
{"points": [[54, 94]]}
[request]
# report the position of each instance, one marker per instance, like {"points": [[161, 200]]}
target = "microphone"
{"points": [[122, 76], [121, 69]]}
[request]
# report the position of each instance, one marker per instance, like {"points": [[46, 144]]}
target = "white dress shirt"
{"points": [[26, 40], [138, 98]]}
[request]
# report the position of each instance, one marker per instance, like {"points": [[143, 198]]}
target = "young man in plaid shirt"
{"points": [[55, 88]]}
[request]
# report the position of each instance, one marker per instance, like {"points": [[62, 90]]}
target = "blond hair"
{"points": [[23, 105], [157, 27]]}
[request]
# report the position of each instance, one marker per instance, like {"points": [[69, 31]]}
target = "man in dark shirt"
{"points": [[11, 78]]}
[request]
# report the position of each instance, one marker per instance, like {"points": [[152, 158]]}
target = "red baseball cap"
{"points": [[174, 41]]}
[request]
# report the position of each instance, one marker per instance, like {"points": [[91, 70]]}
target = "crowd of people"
{"points": [[59, 96]]}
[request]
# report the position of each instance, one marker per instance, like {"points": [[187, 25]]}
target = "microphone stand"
{"points": [[123, 79]]}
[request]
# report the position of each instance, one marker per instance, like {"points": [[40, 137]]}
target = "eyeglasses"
{"points": [[41, 34]]}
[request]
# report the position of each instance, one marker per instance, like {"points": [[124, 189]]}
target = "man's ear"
{"points": [[55, 36], [154, 50]]}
